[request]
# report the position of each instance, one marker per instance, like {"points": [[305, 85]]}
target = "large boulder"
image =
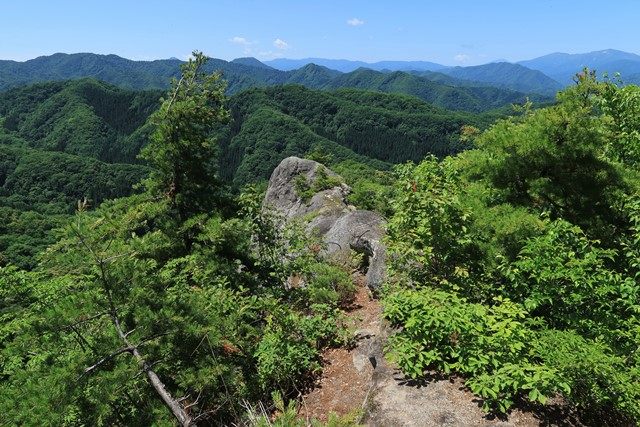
{"points": [[327, 213], [361, 231]]}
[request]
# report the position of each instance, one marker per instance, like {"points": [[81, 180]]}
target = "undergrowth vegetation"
{"points": [[515, 264]]}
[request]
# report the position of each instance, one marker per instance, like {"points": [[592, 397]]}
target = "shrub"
{"points": [[329, 284], [491, 346]]}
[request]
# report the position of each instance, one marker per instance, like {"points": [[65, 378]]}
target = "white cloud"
{"points": [[354, 22], [240, 40], [461, 57], [281, 44]]}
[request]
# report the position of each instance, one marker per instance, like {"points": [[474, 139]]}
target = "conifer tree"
{"points": [[182, 149]]}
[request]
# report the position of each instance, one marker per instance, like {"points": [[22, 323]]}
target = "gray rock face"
{"points": [[328, 215], [282, 195], [361, 231]]}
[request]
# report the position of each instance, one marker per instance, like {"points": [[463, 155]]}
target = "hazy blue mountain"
{"points": [[407, 66], [509, 76], [563, 66], [252, 62], [346, 66], [634, 79]]}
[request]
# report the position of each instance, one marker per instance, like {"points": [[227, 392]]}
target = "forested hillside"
{"points": [[509, 76], [84, 117], [57, 135], [96, 120], [39, 190], [372, 128], [126, 73], [61, 142], [467, 98]]}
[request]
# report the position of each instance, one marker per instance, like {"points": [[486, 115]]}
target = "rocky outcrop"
{"points": [[327, 214]]}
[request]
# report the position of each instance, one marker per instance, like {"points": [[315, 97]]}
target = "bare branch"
{"points": [[105, 359], [175, 94], [82, 321]]}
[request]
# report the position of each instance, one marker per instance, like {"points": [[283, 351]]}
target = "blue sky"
{"points": [[451, 32]]}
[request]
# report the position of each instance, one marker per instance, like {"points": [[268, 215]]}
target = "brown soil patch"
{"points": [[343, 388]]}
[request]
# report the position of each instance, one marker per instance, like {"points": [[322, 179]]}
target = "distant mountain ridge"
{"points": [[469, 98], [472, 88], [558, 67], [152, 74], [346, 66], [251, 61], [563, 66], [507, 75], [127, 73], [244, 73]]}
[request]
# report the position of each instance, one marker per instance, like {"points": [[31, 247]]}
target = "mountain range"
{"points": [[473, 88], [244, 73], [346, 65], [560, 67]]}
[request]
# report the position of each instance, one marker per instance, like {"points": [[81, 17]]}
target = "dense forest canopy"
{"points": [[372, 128], [84, 117], [64, 141]]}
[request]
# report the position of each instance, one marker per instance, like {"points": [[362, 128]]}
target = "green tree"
{"points": [[125, 324], [182, 148]]}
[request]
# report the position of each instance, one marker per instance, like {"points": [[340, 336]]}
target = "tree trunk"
{"points": [[174, 406], [178, 411]]}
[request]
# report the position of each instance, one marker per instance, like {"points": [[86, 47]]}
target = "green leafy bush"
{"points": [[515, 264], [491, 346], [428, 235], [329, 284]]}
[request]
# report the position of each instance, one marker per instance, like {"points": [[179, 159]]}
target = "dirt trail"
{"points": [[361, 379], [346, 378]]}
